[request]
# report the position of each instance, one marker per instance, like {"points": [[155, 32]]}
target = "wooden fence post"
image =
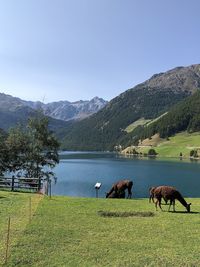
{"points": [[39, 184], [47, 187], [50, 188], [7, 241], [13, 183], [30, 210]]}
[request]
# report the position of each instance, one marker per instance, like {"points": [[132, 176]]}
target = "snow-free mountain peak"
{"points": [[62, 110]]}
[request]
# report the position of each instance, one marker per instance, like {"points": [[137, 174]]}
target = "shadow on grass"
{"points": [[184, 212], [126, 214]]}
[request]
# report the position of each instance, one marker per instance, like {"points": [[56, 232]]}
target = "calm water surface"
{"points": [[78, 172]]}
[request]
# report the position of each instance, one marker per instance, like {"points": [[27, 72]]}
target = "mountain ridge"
{"points": [[61, 110], [148, 100]]}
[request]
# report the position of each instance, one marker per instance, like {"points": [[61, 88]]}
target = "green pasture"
{"points": [[141, 121], [20, 207], [90, 232], [182, 142], [133, 125]]}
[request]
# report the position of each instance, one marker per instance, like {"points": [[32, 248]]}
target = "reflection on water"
{"points": [[79, 171]]}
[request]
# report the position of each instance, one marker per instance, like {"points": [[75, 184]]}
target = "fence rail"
{"points": [[22, 183]]}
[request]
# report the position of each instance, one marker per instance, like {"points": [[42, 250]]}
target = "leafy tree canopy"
{"points": [[32, 150]]}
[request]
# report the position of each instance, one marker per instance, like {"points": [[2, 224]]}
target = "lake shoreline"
{"points": [[130, 156], [136, 156]]}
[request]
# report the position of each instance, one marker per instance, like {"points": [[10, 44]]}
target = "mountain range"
{"points": [[65, 110], [14, 110], [101, 125]]}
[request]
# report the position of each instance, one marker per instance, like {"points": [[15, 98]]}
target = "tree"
{"points": [[33, 150], [194, 154], [152, 152], [17, 146], [43, 148], [3, 154]]}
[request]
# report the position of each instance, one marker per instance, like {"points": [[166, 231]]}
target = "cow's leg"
{"points": [[170, 204], [158, 202], [174, 205]]}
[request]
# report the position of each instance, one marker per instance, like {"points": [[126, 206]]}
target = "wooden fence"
{"points": [[21, 184]]}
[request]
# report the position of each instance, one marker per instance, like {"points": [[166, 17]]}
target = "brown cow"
{"points": [[169, 193], [121, 186], [151, 195], [114, 194]]}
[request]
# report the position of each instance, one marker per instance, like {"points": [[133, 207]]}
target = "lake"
{"points": [[78, 172]]}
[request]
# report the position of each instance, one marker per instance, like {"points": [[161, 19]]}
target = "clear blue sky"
{"points": [[76, 49]]}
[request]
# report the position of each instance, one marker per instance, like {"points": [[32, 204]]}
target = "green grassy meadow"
{"points": [[67, 231], [133, 125], [182, 142], [17, 206], [142, 121]]}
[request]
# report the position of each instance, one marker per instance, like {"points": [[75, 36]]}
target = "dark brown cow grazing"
{"points": [[169, 193], [151, 195], [121, 186]]}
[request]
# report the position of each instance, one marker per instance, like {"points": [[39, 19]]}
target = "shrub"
{"points": [[152, 152], [194, 154]]}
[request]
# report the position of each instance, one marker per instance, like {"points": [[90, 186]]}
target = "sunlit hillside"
{"points": [[170, 147]]}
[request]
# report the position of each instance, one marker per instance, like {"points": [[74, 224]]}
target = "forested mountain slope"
{"points": [[184, 116], [148, 100]]}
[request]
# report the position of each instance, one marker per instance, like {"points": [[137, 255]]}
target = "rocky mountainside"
{"points": [[79, 110], [148, 100], [65, 110], [10, 103], [180, 79]]}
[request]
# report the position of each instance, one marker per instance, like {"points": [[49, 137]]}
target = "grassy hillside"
{"points": [[135, 124], [71, 232], [171, 147], [142, 122]]}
